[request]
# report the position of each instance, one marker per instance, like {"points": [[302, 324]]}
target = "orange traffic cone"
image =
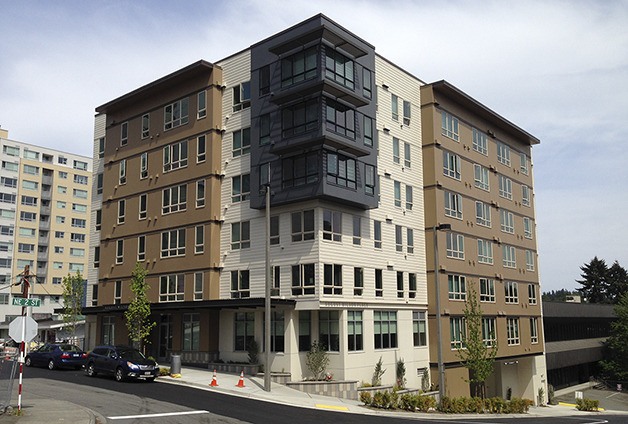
{"points": [[214, 382], [241, 382]]}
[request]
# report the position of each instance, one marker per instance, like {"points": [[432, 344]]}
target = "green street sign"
{"points": [[20, 301]]}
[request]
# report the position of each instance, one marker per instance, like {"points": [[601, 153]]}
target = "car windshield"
{"points": [[69, 348], [132, 355]]}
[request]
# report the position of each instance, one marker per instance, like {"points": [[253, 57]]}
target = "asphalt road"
{"points": [[149, 403]]}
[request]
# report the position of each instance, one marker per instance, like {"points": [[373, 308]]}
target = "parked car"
{"points": [[56, 355], [123, 362]]}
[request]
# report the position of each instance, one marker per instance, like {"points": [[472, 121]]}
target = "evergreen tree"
{"points": [[617, 282], [595, 287], [138, 314], [616, 366], [73, 292]]}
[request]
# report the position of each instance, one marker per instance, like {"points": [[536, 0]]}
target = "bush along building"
{"points": [[334, 132]]}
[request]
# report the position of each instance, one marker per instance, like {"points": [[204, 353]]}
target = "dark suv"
{"points": [[121, 361]]}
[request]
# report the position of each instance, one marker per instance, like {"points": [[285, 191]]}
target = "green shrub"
{"points": [[366, 398], [519, 406], [378, 400], [387, 400], [407, 402], [425, 403], [378, 372], [587, 404]]}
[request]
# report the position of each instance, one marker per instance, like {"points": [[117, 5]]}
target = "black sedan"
{"points": [[56, 355], [123, 362]]}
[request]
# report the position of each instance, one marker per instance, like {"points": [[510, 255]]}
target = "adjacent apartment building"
{"points": [[182, 168], [44, 223], [481, 226]]}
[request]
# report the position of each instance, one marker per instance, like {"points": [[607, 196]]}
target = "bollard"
{"points": [[175, 364]]}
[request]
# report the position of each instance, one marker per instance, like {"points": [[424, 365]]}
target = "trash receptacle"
{"points": [[175, 364]]}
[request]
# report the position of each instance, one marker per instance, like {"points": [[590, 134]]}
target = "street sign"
{"points": [[32, 301], [30, 330]]}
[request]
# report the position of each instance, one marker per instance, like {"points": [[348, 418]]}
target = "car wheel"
{"points": [[28, 361], [90, 370], [51, 365], [120, 374]]}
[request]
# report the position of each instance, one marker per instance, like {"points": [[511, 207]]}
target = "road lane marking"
{"points": [[164, 414], [335, 408]]}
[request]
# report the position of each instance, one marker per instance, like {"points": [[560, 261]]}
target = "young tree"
{"points": [[138, 314], [616, 366], [594, 281], [73, 292], [475, 355]]}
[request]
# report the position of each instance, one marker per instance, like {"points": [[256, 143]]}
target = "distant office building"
{"points": [[44, 223]]}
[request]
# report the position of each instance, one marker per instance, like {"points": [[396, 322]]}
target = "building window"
{"points": [[357, 230], [77, 237], [244, 330], [385, 329], [529, 260], [532, 294], [10, 166], [412, 285], [117, 293], [198, 286], [419, 328], [11, 151], [300, 170], [355, 332], [174, 199], [302, 225], [145, 125], [302, 279], [451, 165], [483, 214], [274, 230], [453, 205], [341, 170], [240, 188], [30, 185], [141, 248], [276, 279], [201, 104], [8, 182], [97, 257], [481, 177], [480, 142], [368, 131], [377, 234], [455, 245], [505, 187], [142, 213], [503, 153], [300, 118], [121, 211], [396, 153], [175, 156], [171, 288], [358, 281], [119, 251], [80, 179], [122, 172], [457, 333], [101, 147], [398, 238], [305, 331], [31, 216], [328, 326], [457, 287], [264, 129], [98, 219], [31, 170], [176, 114], [509, 259], [199, 239], [241, 142], [369, 179], [449, 126], [29, 201], [242, 96], [240, 284], [487, 290], [485, 252], [332, 279], [173, 243], [534, 330], [240, 235], [511, 292], [525, 195], [201, 149], [332, 225], [340, 118], [73, 251], [512, 330], [277, 330], [394, 107], [410, 240], [200, 193], [489, 333], [191, 331], [379, 283], [99, 183], [409, 197], [507, 221], [264, 80], [367, 83], [527, 227], [407, 112], [339, 68], [299, 67], [143, 165], [523, 164], [397, 193]]}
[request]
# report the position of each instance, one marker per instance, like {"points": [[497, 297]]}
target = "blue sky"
{"points": [[558, 69]]}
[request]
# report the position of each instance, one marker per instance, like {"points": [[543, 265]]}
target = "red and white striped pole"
{"points": [[25, 286]]}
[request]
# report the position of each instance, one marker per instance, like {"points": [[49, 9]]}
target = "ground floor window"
{"points": [[277, 332], [305, 331], [191, 331], [328, 325], [354, 330], [419, 328], [244, 330], [385, 329], [108, 327]]}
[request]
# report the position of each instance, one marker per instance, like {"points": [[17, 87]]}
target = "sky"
{"points": [[558, 69]]}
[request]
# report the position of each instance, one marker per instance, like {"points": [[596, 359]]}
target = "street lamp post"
{"points": [[267, 293], [439, 332]]}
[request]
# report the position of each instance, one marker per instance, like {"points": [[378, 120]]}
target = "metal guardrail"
{"points": [[8, 366]]}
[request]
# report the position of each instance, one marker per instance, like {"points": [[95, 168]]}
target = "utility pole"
{"points": [[25, 287], [267, 305]]}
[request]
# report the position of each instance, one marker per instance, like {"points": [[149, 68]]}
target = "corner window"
{"points": [[242, 96], [176, 114]]}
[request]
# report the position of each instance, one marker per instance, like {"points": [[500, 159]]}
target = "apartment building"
{"points": [[481, 235], [44, 221]]}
